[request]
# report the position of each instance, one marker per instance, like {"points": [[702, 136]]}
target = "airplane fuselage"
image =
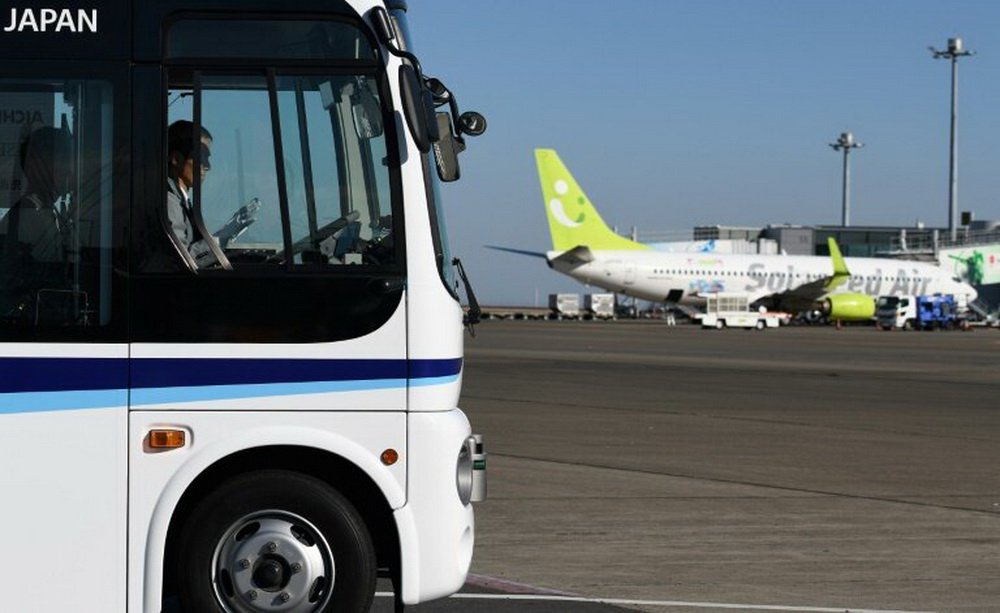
{"points": [[685, 278]]}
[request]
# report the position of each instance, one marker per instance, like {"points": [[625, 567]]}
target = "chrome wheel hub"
{"points": [[273, 561]]}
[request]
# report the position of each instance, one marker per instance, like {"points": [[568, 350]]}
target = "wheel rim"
{"points": [[273, 561]]}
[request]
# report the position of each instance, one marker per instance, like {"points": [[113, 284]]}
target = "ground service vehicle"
{"points": [[599, 306], [234, 388], [564, 306], [897, 312], [724, 310], [919, 312]]}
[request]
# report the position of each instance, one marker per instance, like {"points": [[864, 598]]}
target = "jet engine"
{"points": [[848, 307]]}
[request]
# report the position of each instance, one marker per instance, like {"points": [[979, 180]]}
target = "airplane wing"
{"points": [[534, 254], [574, 257], [805, 295]]}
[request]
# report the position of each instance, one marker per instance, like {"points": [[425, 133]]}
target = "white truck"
{"points": [[599, 306], [896, 312], [728, 310]]}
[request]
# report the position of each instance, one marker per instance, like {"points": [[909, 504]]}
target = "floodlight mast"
{"points": [[846, 142], [955, 50]]}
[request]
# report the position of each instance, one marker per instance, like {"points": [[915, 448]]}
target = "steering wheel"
{"points": [[313, 240]]}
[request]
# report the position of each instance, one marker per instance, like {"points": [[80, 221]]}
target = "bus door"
{"points": [[63, 351]]}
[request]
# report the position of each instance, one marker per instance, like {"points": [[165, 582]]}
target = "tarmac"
{"points": [[638, 466]]}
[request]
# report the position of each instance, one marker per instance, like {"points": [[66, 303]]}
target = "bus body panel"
{"points": [[64, 480], [369, 372], [159, 480], [436, 529], [435, 330]]}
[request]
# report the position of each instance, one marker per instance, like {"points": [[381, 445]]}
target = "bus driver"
{"points": [[180, 183]]}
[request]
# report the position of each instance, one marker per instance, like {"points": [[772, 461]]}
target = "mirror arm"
{"points": [[475, 312], [443, 95], [383, 27], [456, 129]]}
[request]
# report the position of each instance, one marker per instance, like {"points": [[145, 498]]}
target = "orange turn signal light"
{"points": [[390, 457], [167, 439]]}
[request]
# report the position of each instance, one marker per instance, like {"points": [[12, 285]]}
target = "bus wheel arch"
{"points": [[336, 472]]}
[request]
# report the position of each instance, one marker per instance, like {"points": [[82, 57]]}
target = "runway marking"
{"points": [[507, 586], [662, 603]]}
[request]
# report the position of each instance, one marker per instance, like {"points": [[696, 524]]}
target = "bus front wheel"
{"points": [[275, 540]]}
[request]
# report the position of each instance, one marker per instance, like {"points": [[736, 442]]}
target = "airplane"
{"points": [[842, 289]]}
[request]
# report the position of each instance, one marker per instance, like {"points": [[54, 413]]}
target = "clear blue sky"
{"points": [[673, 113]]}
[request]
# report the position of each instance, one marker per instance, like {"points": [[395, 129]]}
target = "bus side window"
{"points": [[237, 185], [55, 199], [296, 194], [332, 172]]}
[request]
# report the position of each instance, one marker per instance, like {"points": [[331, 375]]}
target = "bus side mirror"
{"points": [[418, 108], [446, 150], [472, 123]]}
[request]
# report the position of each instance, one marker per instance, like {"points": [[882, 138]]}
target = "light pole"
{"points": [[954, 52], [846, 142]]}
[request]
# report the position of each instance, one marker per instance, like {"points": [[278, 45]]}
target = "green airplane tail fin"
{"points": [[573, 219], [839, 265], [840, 272]]}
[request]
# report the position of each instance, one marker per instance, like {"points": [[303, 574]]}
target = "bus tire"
{"points": [[275, 539]]}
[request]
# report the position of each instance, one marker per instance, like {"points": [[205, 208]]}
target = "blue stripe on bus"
{"points": [[165, 395], [425, 381], [188, 377], [183, 372], [41, 402], [61, 374]]}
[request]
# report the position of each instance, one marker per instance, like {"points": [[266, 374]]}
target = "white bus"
{"points": [[231, 389]]}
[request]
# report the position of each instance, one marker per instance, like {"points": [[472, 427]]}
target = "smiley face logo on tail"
{"points": [[556, 206], [573, 220]]}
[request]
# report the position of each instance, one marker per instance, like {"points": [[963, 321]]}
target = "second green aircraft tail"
{"points": [[573, 220]]}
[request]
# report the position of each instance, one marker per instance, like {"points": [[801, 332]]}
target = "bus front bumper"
{"points": [[436, 526]]}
